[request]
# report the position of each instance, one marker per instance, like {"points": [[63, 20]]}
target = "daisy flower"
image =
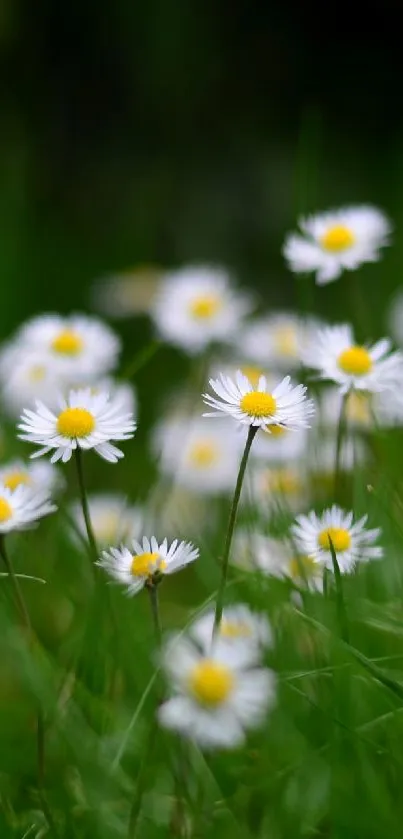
{"points": [[277, 340], [38, 477], [26, 376], [113, 520], [286, 405], [80, 346], [217, 695], [337, 240], [277, 486], [337, 357], [146, 562], [21, 508], [196, 306], [272, 557], [351, 541], [203, 459], [84, 420], [239, 625]]}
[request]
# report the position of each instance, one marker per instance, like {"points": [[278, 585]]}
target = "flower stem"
{"points": [[155, 611], [341, 429], [341, 606], [84, 504], [231, 526], [141, 359], [19, 597]]}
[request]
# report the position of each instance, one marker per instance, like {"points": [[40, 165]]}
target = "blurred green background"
{"points": [[174, 131]]}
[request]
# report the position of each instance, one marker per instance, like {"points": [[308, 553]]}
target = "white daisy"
{"points": [[146, 562], [196, 306], [239, 625], [276, 486], [277, 340], [26, 376], [122, 393], [38, 477], [80, 346], [286, 406], [21, 508], [272, 557], [351, 541], [113, 520], [197, 456], [337, 357], [337, 240], [217, 696], [84, 420]]}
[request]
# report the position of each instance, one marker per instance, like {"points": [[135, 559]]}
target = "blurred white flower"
{"points": [[26, 376], [84, 420], [113, 520], [277, 341], [286, 406], [146, 561], [351, 541], [203, 458], [337, 240], [282, 445], [196, 306], [335, 355], [39, 477], [254, 551], [278, 486], [127, 293], [217, 696], [21, 508], [239, 625]]}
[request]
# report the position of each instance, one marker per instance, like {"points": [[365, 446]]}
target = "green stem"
{"points": [[341, 606], [155, 611], [40, 730], [231, 526], [141, 359], [341, 429], [84, 504]]}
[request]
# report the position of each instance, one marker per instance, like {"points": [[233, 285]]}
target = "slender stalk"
{"points": [[341, 429], [155, 611], [341, 606], [40, 726], [141, 359], [231, 526], [84, 504]]}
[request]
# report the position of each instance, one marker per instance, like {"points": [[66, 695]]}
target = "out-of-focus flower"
{"points": [[146, 562], [217, 695], [239, 625], [286, 406], [84, 420], [277, 341], [196, 306], [21, 508], [352, 542], [113, 520], [282, 445], [128, 293], [254, 551], [277, 486], [203, 458], [26, 376], [335, 355], [39, 477], [337, 240]]}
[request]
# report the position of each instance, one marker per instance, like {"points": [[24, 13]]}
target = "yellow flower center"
{"points": [[356, 361], [302, 566], [358, 408], [67, 342], [276, 430], [283, 481], [15, 479], [337, 238], [235, 629], [203, 454], [340, 539], [285, 341], [75, 422], [5, 510], [205, 306], [210, 682], [145, 565], [37, 373], [252, 373], [258, 404]]}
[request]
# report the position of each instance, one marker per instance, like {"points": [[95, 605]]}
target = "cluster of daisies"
{"points": [[57, 374]]}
